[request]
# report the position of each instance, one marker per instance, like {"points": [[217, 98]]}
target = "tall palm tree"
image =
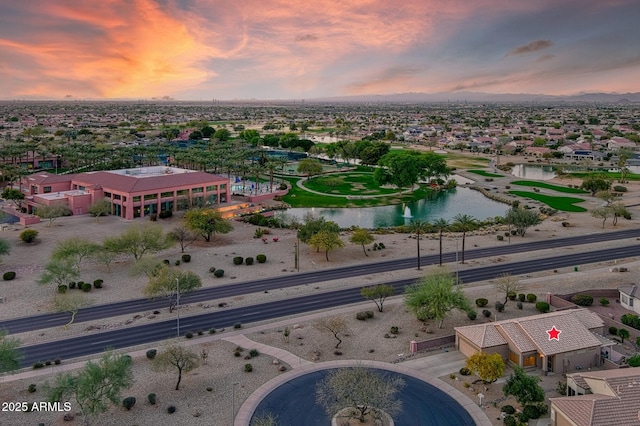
{"points": [[271, 166], [464, 223], [418, 226], [441, 224]]}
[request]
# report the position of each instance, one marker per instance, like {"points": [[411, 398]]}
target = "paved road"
{"points": [[224, 318], [36, 322]]}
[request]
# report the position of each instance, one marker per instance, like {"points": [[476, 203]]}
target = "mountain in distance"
{"points": [[479, 97]]}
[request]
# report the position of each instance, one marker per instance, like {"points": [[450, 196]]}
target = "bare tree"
{"points": [[183, 235], [71, 303], [176, 357], [507, 284], [362, 389], [334, 325]]}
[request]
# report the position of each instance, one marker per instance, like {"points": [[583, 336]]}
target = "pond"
{"points": [[441, 204], [526, 171]]}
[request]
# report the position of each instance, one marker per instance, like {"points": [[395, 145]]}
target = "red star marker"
{"points": [[554, 333]]}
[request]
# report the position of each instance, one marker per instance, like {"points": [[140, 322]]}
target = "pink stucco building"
{"points": [[132, 193]]}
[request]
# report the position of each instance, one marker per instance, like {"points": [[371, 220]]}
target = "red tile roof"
{"points": [[131, 184]]}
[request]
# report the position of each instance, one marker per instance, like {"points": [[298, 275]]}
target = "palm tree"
{"points": [[464, 223], [441, 224], [271, 166], [418, 227]]}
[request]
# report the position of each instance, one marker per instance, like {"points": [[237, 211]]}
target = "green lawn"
{"points": [[350, 184], [485, 173], [610, 175], [565, 204], [550, 186]]}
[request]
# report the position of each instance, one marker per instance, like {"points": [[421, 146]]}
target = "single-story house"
{"points": [[630, 298], [599, 398], [526, 341]]}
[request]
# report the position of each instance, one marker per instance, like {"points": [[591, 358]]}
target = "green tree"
{"points": [[312, 225], [326, 241], [75, 250], [623, 333], [177, 357], [595, 183], [14, 195], [441, 225], [418, 227], [70, 302], [138, 240], [9, 353], [434, 296], [171, 284], [464, 223], [100, 208], [364, 390], [506, 284], [362, 237], [522, 219], [603, 213], [51, 213], [29, 235], [207, 222], [488, 367], [378, 293], [58, 272], [251, 136], [523, 387], [222, 134], [404, 169], [97, 385], [619, 210], [310, 167]]}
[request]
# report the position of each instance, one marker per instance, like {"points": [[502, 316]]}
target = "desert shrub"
{"points": [[38, 364], [522, 297], [522, 418], [151, 353], [566, 224], [171, 409], [253, 353], [582, 299], [237, 354], [394, 330], [80, 285], [282, 186], [562, 388], [209, 389], [604, 301], [613, 330], [98, 283], [509, 420], [32, 388], [519, 305], [186, 258], [166, 262], [486, 313], [212, 331], [381, 246], [47, 362], [177, 262], [28, 235], [62, 288], [500, 238], [542, 307], [237, 326], [261, 258], [531, 298], [57, 361], [634, 361], [200, 332], [361, 316], [248, 368], [188, 335], [628, 319], [9, 275], [472, 315], [482, 302], [465, 371], [212, 269], [249, 261], [531, 411], [512, 295], [369, 314], [86, 287], [72, 284], [165, 214], [620, 188], [152, 398], [153, 217], [508, 409], [237, 260], [499, 307], [129, 402], [218, 273]]}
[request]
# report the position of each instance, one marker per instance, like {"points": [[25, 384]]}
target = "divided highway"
{"points": [[223, 318], [36, 322]]}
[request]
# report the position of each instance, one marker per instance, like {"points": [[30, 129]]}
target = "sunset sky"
{"points": [[284, 49]]}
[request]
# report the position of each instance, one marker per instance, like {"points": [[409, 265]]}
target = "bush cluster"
{"points": [[248, 261], [508, 409], [364, 315], [394, 329], [218, 273], [522, 297], [238, 260], [631, 320], [9, 275], [98, 283], [499, 306], [62, 288], [542, 307], [465, 371], [531, 298], [165, 214], [248, 368], [151, 353], [186, 258], [512, 295], [129, 402], [28, 235], [152, 398], [482, 302], [519, 305], [472, 315], [486, 313], [261, 258], [582, 299]]}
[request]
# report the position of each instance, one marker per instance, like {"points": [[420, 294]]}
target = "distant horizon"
{"points": [[266, 50]]}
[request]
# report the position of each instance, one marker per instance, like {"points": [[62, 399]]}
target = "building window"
{"points": [[197, 190], [81, 188], [530, 361], [212, 188], [223, 187], [513, 357], [136, 198], [167, 194], [183, 192], [75, 186], [107, 194], [625, 300], [150, 197], [46, 189], [116, 196]]}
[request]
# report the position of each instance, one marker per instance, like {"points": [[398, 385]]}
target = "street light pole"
{"points": [[178, 305], [233, 402], [457, 280]]}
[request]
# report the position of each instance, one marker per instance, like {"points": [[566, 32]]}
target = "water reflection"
{"points": [[442, 204], [533, 172]]}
